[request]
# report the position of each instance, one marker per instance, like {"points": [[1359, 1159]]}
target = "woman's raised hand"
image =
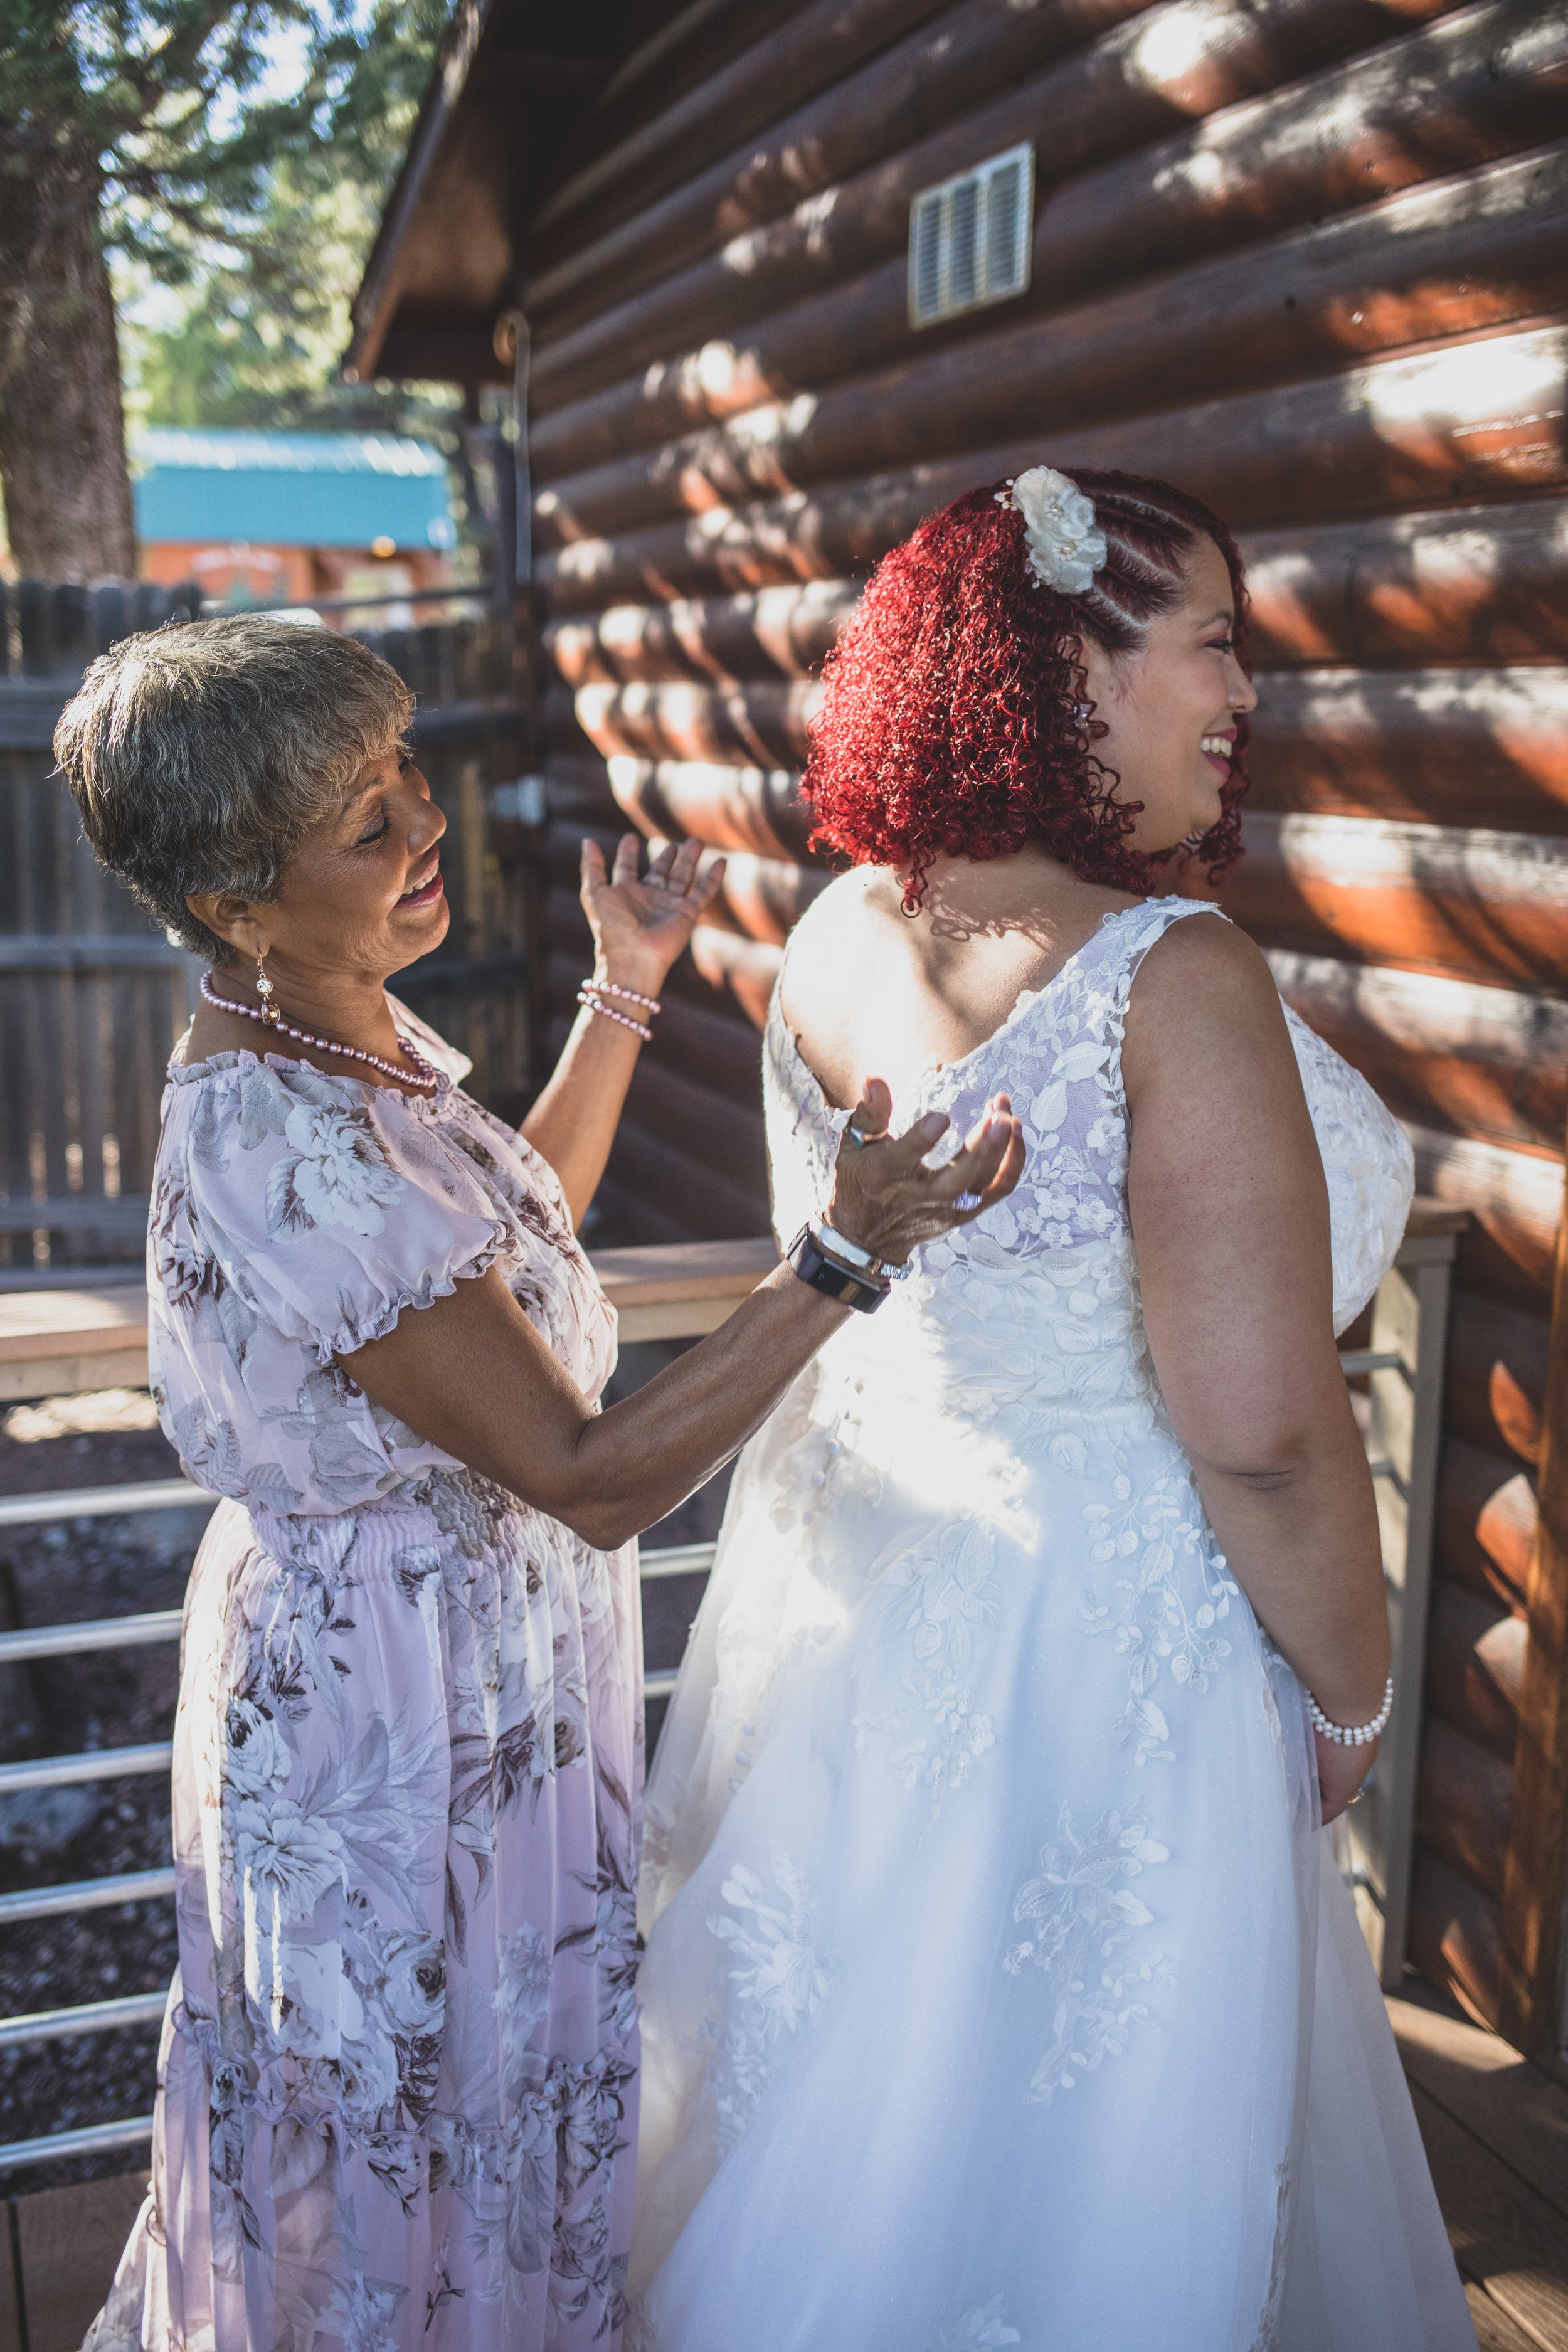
{"points": [[888, 1200], [642, 922]]}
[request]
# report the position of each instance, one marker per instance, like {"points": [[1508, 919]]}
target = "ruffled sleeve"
{"points": [[332, 1206]]}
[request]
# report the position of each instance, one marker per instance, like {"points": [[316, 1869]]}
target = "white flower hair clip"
{"points": [[1065, 549]]}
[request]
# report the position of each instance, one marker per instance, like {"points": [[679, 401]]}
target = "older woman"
{"points": [[397, 2084]]}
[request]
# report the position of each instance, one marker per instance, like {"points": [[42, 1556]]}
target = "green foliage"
{"points": [[245, 147]]}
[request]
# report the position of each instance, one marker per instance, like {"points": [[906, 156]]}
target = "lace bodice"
{"points": [[1059, 1054]]}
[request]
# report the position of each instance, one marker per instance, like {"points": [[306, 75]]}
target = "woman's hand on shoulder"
{"points": [[887, 1198], [642, 922]]}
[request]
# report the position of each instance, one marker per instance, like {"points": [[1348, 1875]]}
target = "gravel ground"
{"points": [[87, 1568]]}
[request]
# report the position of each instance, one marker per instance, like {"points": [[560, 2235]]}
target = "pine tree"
{"points": [[153, 131]]}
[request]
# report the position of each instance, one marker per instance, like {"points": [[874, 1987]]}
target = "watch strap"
{"points": [[820, 1272]]}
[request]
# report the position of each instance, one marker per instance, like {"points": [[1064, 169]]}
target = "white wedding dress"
{"points": [[1000, 1990]]}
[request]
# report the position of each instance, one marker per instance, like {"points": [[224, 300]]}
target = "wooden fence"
{"points": [[1306, 258], [93, 997]]}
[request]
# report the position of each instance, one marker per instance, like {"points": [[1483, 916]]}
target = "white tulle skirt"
{"points": [[1000, 1988]]}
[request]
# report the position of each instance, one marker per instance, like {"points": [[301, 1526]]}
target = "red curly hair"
{"points": [[956, 720]]}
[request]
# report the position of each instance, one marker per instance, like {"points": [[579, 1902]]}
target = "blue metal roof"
{"points": [[291, 489]]}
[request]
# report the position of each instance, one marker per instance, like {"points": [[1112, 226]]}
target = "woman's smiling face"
{"points": [[363, 892], [1171, 708]]}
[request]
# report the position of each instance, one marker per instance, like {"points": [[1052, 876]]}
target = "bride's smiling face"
{"points": [[1171, 707]]}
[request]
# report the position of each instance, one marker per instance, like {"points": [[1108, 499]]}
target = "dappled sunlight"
{"points": [[741, 256], [730, 808], [785, 632], [1426, 744], [1491, 905], [759, 725]]}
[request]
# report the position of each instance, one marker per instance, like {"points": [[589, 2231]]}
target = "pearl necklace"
{"points": [[423, 1073]]}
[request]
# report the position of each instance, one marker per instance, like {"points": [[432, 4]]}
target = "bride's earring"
{"points": [[264, 989]]}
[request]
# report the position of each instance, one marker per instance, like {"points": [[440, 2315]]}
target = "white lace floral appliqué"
{"points": [[1160, 1532], [981, 2328], [939, 1600], [1267, 2337], [1082, 1916], [777, 1984]]}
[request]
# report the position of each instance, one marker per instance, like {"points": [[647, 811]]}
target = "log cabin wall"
{"points": [[1306, 258]]}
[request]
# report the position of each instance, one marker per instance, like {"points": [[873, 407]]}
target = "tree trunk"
{"points": [[62, 424]]}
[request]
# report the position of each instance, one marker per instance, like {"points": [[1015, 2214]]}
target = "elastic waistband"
{"points": [[451, 1507]]}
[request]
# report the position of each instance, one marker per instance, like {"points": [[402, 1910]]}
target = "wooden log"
{"points": [[756, 809], [1487, 1061], [682, 1188], [762, 897], [764, 724], [1486, 1523], [711, 1047], [1475, 1668], [1478, 584], [704, 1123], [816, 47], [562, 850], [1471, 419], [1462, 1805], [1536, 1883], [1440, 745], [1495, 1377], [1426, 746], [893, 102], [733, 981], [689, 49], [1485, 82], [1479, 904], [1515, 1199], [706, 1042], [1454, 1936], [779, 632], [1486, 250], [578, 789], [1103, 108], [767, 897], [748, 967]]}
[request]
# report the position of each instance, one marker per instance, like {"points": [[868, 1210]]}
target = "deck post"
{"points": [[1535, 1874], [1409, 1323]]}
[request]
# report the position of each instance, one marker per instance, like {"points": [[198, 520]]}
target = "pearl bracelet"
{"points": [[1352, 1735], [627, 995], [592, 1005]]}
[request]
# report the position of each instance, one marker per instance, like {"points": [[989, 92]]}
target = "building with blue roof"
{"points": [[276, 517]]}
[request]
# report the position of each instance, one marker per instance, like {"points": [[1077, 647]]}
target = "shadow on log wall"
{"points": [[1309, 258]]}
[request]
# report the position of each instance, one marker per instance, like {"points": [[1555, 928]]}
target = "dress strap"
{"points": [[1146, 925]]}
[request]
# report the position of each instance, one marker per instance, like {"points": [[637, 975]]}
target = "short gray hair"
{"points": [[200, 754]]}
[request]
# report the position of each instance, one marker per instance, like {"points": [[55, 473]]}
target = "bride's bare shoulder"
{"points": [[1202, 982], [831, 939]]}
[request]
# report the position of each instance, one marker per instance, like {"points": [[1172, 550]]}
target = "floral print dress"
{"points": [[396, 2086]]}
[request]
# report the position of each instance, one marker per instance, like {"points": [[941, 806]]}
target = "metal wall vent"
{"points": [[970, 237]]}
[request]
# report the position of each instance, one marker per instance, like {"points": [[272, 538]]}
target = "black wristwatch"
{"points": [[820, 1272]]}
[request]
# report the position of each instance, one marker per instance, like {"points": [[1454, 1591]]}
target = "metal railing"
{"points": [[134, 2010], [1404, 1372]]}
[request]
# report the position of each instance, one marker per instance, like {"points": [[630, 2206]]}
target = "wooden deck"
{"points": [[1496, 2129]]}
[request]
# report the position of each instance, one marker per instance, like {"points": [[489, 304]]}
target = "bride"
{"points": [[1000, 1988]]}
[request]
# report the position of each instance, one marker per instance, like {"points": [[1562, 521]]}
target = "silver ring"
{"points": [[967, 1201], [860, 1140]]}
